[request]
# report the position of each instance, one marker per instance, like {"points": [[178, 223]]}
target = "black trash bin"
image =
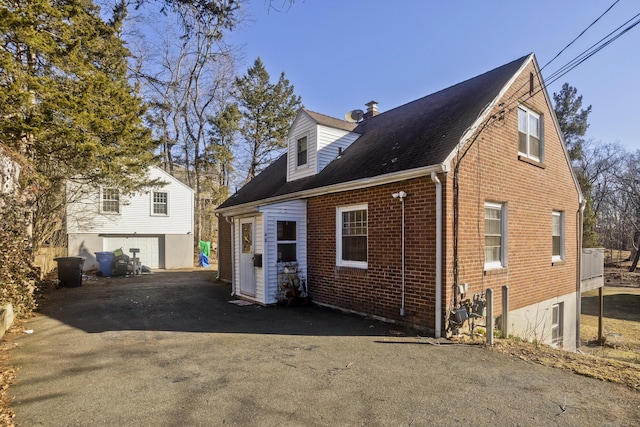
{"points": [[70, 271]]}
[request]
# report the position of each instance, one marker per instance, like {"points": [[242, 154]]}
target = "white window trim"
{"points": [[288, 241], [560, 257], [298, 138], [541, 136], [339, 261], [153, 203], [494, 265], [106, 212]]}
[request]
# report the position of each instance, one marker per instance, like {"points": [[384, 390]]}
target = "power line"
{"points": [[594, 48], [579, 35]]}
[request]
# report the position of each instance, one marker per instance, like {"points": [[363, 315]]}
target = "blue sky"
{"points": [[341, 54]]}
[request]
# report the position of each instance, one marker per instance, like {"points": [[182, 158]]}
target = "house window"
{"points": [[557, 236], [160, 203], [287, 241], [110, 200], [351, 233], [556, 324], [529, 134], [302, 151], [495, 235]]}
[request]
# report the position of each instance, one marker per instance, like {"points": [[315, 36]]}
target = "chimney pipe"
{"points": [[372, 109]]}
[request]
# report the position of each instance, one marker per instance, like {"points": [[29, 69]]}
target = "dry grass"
{"points": [[601, 368], [618, 358]]}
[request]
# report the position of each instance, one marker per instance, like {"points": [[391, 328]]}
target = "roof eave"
{"points": [[252, 207]]}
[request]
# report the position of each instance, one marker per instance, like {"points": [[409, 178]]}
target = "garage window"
{"points": [[160, 203], [110, 200]]}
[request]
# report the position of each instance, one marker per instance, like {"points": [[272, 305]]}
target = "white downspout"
{"points": [[218, 246], [233, 255], [436, 181], [402, 195], [583, 205]]}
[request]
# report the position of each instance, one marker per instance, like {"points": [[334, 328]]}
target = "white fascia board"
{"points": [[172, 178], [336, 188], [558, 131]]}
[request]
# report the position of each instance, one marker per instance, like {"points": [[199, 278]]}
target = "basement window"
{"points": [[557, 314]]}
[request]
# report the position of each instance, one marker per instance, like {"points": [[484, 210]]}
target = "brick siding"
{"points": [[490, 171]]}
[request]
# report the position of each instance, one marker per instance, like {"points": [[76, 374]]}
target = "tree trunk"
{"points": [[636, 257]]}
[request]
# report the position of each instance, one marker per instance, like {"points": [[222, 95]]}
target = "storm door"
{"points": [[247, 270]]}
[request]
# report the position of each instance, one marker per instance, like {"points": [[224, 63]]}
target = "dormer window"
{"points": [[302, 151]]}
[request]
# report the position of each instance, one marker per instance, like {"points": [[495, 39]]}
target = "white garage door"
{"points": [[149, 248]]}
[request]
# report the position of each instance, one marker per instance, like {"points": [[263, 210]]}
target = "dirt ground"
{"points": [[616, 361]]}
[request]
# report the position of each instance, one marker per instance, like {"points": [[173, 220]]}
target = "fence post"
{"points": [[489, 317], [505, 311]]}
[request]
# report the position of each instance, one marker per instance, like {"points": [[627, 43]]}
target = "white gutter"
{"points": [[218, 246], [438, 309], [337, 188]]}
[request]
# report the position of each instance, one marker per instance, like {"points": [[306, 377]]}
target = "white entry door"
{"points": [[247, 270]]}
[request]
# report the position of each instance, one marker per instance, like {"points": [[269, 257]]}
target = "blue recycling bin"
{"points": [[105, 263]]}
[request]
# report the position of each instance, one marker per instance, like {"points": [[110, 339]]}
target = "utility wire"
{"points": [[579, 35], [576, 61], [593, 49], [553, 76]]}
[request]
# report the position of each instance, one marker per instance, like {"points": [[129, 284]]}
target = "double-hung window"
{"points": [[529, 134], [160, 203], [110, 202], [287, 248], [557, 236], [351, 236], [495, 235], [302, 151]]}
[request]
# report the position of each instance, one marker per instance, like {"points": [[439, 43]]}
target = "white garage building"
{"points": [[159, 223]]}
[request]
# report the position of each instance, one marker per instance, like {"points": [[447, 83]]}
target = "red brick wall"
{"points": [[491, 171], [377, 290], [225, 271]]}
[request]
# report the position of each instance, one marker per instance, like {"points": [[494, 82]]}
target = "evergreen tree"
{"points": [[267, 110], [224, 127], [573, 121], [65, 102]]}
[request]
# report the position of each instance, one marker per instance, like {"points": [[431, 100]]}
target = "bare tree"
{"points": [[186, 80]]}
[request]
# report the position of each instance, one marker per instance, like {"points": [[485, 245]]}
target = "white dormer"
{"points": [[314, 141]]}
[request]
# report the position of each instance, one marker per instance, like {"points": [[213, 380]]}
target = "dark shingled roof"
{"points": [[418, 134]]}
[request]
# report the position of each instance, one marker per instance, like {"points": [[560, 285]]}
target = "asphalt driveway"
{"points": [[169, 349]]}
